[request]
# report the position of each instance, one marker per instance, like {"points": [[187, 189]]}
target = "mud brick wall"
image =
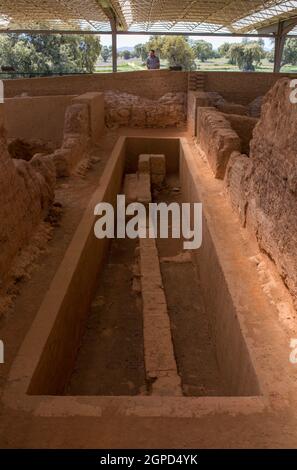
{"points": [[36, 118], [265, 185], [26, 193], [240, 87], [147, 84], [216, 138]]}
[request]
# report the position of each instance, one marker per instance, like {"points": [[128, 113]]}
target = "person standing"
{"points": [[153, 61]]}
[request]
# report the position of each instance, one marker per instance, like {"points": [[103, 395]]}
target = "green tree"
{"points": [[157, 43], [246, 55], [290, 52], [175, 49], [55, 53], [141, 51], [106, 53], [270, 56], [224, 49], [126, 54], [203, 50]]}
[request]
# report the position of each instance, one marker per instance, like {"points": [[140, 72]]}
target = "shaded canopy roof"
{"points": [[185, 16]]}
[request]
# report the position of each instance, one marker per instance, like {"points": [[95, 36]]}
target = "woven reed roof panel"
{"points": [[187, 16]]}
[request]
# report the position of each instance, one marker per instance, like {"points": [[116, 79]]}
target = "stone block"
{"points": [[158, 169], [130, 187], [144, 163], [144, 194], [158, 164]]}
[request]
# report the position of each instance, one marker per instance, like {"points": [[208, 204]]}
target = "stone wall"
{"points": [[266, 184], [26, 193], [216, 138], [126, 110]]}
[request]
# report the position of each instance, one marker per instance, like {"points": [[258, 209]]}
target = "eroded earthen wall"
{"points": [[26, 193], [266, 184]]}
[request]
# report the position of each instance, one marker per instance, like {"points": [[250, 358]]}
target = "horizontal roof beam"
{"points": [[133, 33]]}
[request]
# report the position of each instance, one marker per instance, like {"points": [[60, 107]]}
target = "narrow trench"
{"points": [[193, 342], [110, 360]]}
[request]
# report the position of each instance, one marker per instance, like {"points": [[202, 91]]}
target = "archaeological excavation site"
{"points": [[117, 336]]}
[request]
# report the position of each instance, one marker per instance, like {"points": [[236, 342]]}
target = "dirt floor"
{"points": [[110, 360], [193, 341]]}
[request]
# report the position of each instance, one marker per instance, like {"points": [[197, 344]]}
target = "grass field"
{"points": [[220, 64]]}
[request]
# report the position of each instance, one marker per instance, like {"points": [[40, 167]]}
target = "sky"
{"points": [[132, 40]]}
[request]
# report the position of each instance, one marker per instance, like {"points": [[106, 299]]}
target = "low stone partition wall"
{"points": [[26, 194], [216, 138], [263, 188]]}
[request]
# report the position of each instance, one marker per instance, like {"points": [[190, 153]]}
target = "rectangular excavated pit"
{"points": [[88, 336]]}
